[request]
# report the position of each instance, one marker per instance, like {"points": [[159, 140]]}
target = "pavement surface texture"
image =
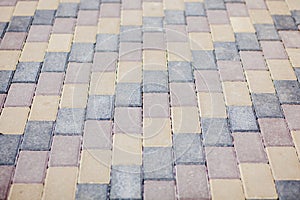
{"points": [[149, 99]]}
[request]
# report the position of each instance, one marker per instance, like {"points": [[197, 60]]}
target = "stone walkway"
{"points": [[150, 99]]}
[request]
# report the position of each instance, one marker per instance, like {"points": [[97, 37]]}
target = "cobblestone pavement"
{"points": [[150, 99]]}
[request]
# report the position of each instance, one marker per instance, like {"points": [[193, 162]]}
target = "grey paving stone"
{"points": [[3, 26], [19, 24], [194, 9], [107, 42], [9, 145], [216, 132], [297, 72], [154, 166], [284, 22], [131, 34], [27, 72], [247, 41], [37, 136], [188, 149], [89, 5], [288, 190], [55, 62], [288, 91], [242, 118], [91, 192], [5, 78], [43, 17], [6, 173], [82, 52], [226, 51], [155, 81], [180, 72], [204, 60], [296, 16], [128, 95], [266, 32], [214, 4], [100, 107], [67, 10], [126, 182], [70, 121], [110, 1], [234, 1], [152, 24], [266, 105], [174, 17]]}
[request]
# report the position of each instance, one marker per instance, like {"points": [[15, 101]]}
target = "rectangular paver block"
{"points": [[91, 191]]}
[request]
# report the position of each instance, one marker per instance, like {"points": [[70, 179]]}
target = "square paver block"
{"points": [[266, 105], [131, 34], [19, 24], [91, 191], [215, 5], [247, 41], [194, 9], [105, 61], [70, 121], [176, 33], [9, 146], [128, 95], [9, 123], [155, 81], [152, 24], [130, 51], [154, 41], [284, 22], [89, 5], [253, 60], [67, 10], [20, 95], [78, 73], [100, 107], [273, 50], [13, 40], [182, 94], [207, 81], [226, 51], [288, 189], [5, 78], [49, 83], [128, 120], [55, 62], [242, 118], [87, 17], [204, 60], [288, 91], [82, 52], [266, 32], [159, 189], [156, 105], [174, 17], [43, 17], [107, 42], [292, 113], [180, 72], [64, 25], [231, 71], [5, 180], [27, 72]]}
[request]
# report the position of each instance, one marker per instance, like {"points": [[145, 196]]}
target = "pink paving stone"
{"points": [[291, 39], [13, 40], [253, 60], [275, 132], [207, 81], [249, 148], [256, 4], [8, 2], [64, 25], [39, 33], [156, 105], [5, 178], [65, 151], [97, 135], [20, 95], [128, 120], [273, 50], [159, 190], [49, 83], [192, 182], [217, 17], [130, 51], [197, 24], [236, 10], [231, 71], [131, 4], [154, 40], [292, 115], [105, 62], [78, 73], [176, 33], [110, 10], [87, 17], [221, 162], [31, 167], [183, 94]]}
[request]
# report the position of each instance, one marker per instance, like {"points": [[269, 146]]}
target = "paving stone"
{"points": [[39, 33], [217, 17], [128, 120], [281, 69], [204, 60], [155, 81], [9, 124], [5, 174], [159, 189], [230, 71], [110, 10], [182, 94], [131, 34], [288, 91], [43, 17], [226, 51], [176, 33], [185, 120], [26, 72], [288, 189], [91, 191], [131, 17], [253, 60], [55, 62], [211, 105], [100, 107], [247, 41], [156, 105], [152, 24], [180, 72], [266, 105], [242, 118], [232, 190], [216, 132], [291, 113], [273, 50], [2, 100], [89, 5], [3, 27], [291, 39], [155, 168], [20, 95], [129, 72], [131, 4], [126, 182], [49, 83], [102, 83], [154, 41], [196, 24], [107, 42], [70, 121], [82, 52], [284, 22], [130, 51], [128, 95], [67, 10], [9, 148], [179, 51], [33, 52], [207, 81], [5, 78], [13, 40], [64, 25], [87, 17], [78, 73], [174, 17], [215, 5], [44, 108], [266, 32], [296, 16], [259, 81], [19, 24], [26, 191], [188, 149], [297, 72], [60, 43], [236, 9], [194, 9]]}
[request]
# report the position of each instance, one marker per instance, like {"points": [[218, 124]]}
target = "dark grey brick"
{"points": [[37, 136], [216, 132], [284, 22], [174, 17], [180, 72], [154, 166], [5, 78], [288, 190], [100, 107], [194, 9], [297, 72], [288, 91], [188, 148], [266, 105], [155, 81], [204, 60], [242, 118], [234, 1], [131, 34], [89, 4], [107, 42], [9, 145], [266, 32], [126, 182], [44, 17], [91, 192], [226, 51], [152, 24], [3, 26], [67, 10], [247, 41], [19, 24], [128, 94], [82, 52], [70, 121], [214, 5], [296, 16], [27, 72], [55, 62]]}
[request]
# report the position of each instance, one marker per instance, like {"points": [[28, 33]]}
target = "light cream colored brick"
{"points": [[130, 72], [108, 26], [60, 43], [154, 60], [236, 94], [26, 192], [281, 69], [9, 59], [222, 189], [242, 25], [74, 96], [44, 108], [85, 34], [33, 52], [102, 83], [211, 105], [185, 120], [25, 8], [13, 120]]}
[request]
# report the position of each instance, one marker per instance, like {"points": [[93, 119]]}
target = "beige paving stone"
{"points": [[293, 4], [281, 69], [259, 81], [85, 34], [185, 120], [236, 94], [60, 183], [201, 41], [153, 9], [242, 25], [127, 149], [154, 60], [9, 59], [296, 139], [193, 0], [13, 120], [211, 105], [74, 96], [278, 8], [173, 5], [33, 52], [157, 132], [25, 8], [48, 5], [44, 108], [129, 72], [294, 55], [6, 13], [222, 189], [260, 17], [95, 166], [60, 43], [284, 163], [108, 26], [26, 192], [222, 33], [70, 1], [131, 18], [257, 181], [179, 51], [102, 83]]}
